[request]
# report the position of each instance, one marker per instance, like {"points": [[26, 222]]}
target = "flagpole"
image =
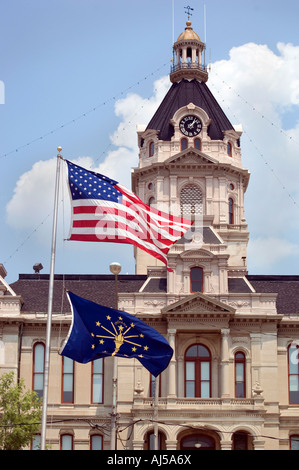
{"points": [[156, 402], [50, 304], [115, 268]]}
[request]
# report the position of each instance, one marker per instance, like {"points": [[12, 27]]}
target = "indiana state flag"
{"points": [[97, 331]]}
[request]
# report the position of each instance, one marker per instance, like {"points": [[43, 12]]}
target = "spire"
{"points": [[188, 60]]}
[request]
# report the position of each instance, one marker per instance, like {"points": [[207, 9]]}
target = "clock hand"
{"points": [[191, 124]]}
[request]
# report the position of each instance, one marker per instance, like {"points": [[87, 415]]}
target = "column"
{"points": [[258, 444], [209, 195], [172, 365], [181, 376], [174, 206], [160, 191], [225, 363], [184, 56], [226, 444]]}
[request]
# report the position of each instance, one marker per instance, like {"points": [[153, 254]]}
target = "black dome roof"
{"points": [[181, 94]]}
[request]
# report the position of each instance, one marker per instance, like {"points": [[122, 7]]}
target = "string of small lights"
{"points": [[85, 114], [100, 156], [245, 132]]}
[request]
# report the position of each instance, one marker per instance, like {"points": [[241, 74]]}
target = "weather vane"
{"points": [[188, 12]]}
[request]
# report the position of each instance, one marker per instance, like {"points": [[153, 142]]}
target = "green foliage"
{"points": [[20, 413]]}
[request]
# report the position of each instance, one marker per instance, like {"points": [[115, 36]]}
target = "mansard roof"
{"points": [[33, 289], [287, 288], [181, 94]]}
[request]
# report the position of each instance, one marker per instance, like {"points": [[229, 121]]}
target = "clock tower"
{"points": [[190, 165]]}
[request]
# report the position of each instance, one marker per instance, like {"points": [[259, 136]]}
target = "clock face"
{"points": [[190, 126]]}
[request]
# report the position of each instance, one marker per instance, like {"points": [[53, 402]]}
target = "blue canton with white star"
{"points": [[86, 184]]}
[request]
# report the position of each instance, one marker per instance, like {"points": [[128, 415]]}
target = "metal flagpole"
{"points": [[156, 402], [115, 268], [50, 303]]}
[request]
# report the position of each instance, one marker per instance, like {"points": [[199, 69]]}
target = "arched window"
{"points": [[197, 144], [242, 441], [240, 383], [293, 351], [229, 149], [151, 201], [197, 372], [231, 211], [97, 378], [197, 442], [38, 368], [184, 144], [67, 380], [191, 201], [96, 442], [196, 279], [151, 149], [66, 442]]}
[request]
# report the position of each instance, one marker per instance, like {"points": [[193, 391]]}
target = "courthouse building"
{"points": [[233, 380]]}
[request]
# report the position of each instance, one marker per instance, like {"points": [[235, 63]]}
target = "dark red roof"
{"points": [[181, 94]]}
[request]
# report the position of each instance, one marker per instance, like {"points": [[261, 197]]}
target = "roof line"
{"points": [[272, 277], [83, 277]]}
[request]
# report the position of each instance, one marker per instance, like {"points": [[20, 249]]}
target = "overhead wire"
{"points": [[251, 140], [104, 428], [100, 156], [84, 114]]}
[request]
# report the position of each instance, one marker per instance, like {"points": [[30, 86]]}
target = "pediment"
{"points": [[191, 156], [193, 251], [198, 304]]}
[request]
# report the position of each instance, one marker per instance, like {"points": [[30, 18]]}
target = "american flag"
{"points": [[105, 211]]}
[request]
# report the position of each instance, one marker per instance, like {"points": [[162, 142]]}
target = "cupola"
{"points": [[188, 57]]}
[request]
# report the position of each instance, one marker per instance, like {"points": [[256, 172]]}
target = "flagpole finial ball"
{"points": [[115, 268], [59, 149]]}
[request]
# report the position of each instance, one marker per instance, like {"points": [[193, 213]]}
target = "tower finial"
{"points": [[188, 8]]}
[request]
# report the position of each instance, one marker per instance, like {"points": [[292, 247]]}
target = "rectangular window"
{"points": [[240, 392], [205, 379], [68, 380], [190, 379], [96, 442], [38, 368], [66, 442], [196, 279], [293, 375], [97, 381], [36, 442]]}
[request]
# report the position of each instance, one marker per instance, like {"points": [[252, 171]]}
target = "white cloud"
{"points": [[33, 196]]}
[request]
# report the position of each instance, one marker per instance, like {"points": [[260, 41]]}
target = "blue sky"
{"points": [[83, 73]]}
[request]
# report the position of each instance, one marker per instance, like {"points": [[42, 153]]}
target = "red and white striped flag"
{"points": [[105, 211]]}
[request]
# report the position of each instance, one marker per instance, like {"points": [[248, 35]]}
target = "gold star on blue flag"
{"points": [[99, 331]]}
